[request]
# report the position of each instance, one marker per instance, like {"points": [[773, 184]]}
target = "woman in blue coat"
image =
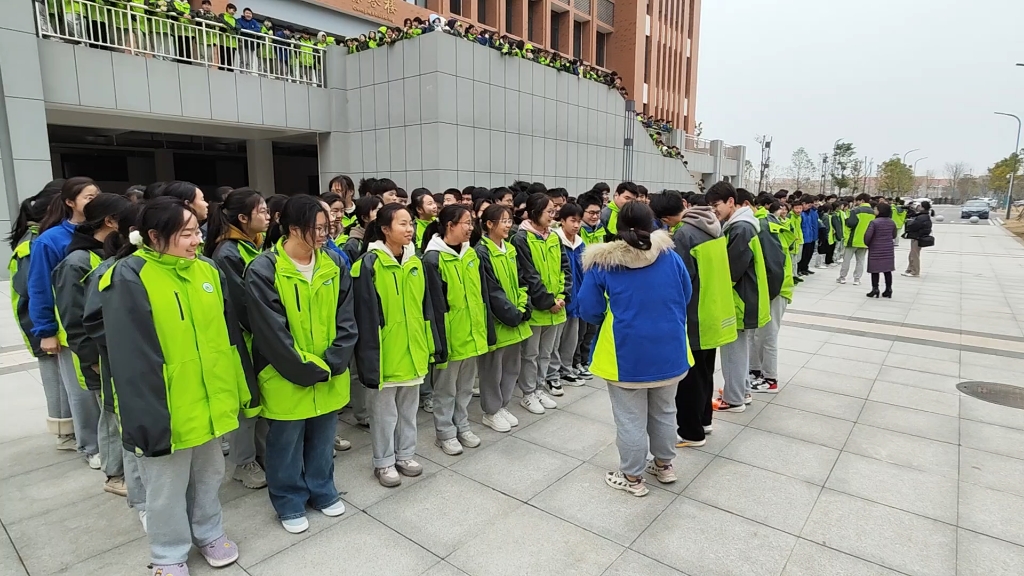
{"points": [[638, 345]]}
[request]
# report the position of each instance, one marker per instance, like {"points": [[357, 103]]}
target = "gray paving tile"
{"points": [[910, 421], [723, 434], [807, 426], [992, 471], [979, 555], [853, 353], [689, 463], [445, 499], [906, 450], [781, 454], [40, 491], [512, 549], [744, 418], [820, 402], [76, 524], [990, 438], [31, 453], [927, 365], [766, 497], [810, 559], [897, 486], [583, 498], [10, 563], [535, 468], [989, 413], [569, 434], [922, 351], [444, 569], [133, 558], [426, 437], [843, 367], [596, 406], [993, 513], [917, 398], [883, 535], [788, 342], [735, 547], [363, 539], [353, 475], [918, 379], [861, 342], [794, 358], [632, 563]]}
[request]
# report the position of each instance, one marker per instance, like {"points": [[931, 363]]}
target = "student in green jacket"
{"points": [[300, 302], [507, 321], [397, 340], [764, 356], [624, 192], [84, 254], [425, 209], [856, 249], [162, 305], [235, 231], [455, 287], [544, 270]]}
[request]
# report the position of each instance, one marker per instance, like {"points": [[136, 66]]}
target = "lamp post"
{"points": [[1016, 150], [908, 153], [915, 169]]}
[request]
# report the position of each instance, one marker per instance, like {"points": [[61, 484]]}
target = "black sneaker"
{"points": [[797, 280], [808, 272], [569, 378], [555, 388], [755, 374], [765, 385]]}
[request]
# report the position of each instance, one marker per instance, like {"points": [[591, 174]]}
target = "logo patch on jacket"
{"points": [[208, 287], [415, 271]]}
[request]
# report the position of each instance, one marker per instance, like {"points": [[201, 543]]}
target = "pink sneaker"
{"points": [[170, 570], [220, 552]]}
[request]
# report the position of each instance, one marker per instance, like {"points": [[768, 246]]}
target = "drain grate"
{"points": [[994, 392]]}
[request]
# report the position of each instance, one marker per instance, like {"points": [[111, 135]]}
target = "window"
{"points": [[456, 7], [481, 12], [508, 15], [577, 39], [647, 59], [556, 30], [602, 43]]}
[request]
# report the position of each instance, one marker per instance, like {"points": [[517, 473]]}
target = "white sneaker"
{"points": [[856, 282], [468, 439], [341, 445], [225, 446], [532, 404], [709, 429], [451, 446], [509, 417], [336, 509], [496, 422], [67, 442], [545, 400], [295, 525], [142, 518], [476, 390], [841, 280], [94, 461], [387, 476]]}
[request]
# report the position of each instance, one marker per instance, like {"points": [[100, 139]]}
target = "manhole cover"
{"points": [[1002, 394]]}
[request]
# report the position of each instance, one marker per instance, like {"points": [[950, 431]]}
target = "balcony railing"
{"points": [[136, 29], [732, 152], [581, 6], [606, 12], [697, 144]]}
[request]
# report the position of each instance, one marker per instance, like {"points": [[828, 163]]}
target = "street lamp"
{"points": [[1016, 150], [908, 153], [915, 171]]}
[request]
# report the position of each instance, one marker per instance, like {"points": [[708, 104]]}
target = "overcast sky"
{"points": [[886, 75]]}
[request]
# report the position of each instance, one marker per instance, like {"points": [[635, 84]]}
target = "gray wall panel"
{"points": [[321, 109], [57, 67], [195, 91], [224, 105], [250, 99], [21, 76], [296, 105], [95, 77], [129, 91], [273, 102], [164, 87]]}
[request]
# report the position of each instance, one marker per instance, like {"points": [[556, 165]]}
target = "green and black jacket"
{"points": [[746, 266], [18, 270], [458, 297], [177, 357], [710, 314], [234, 252], [544, 270], [84, 254], [857, 223], [92, 321], [507, 302], [774, 255]]}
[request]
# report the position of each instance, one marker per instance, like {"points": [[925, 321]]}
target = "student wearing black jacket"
{"points": [[918, 227]]}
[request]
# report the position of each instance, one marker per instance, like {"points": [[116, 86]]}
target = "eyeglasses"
{"points": [[505, 221], [593, 212]]}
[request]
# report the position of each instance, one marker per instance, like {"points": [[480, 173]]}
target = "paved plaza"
{"points": [[868, 462]]}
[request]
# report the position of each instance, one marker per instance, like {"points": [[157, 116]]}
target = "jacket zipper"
{"points": [[298, 304], [397, 291], [181, 311]]}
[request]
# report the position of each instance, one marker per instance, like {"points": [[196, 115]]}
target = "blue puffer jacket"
{"points": [[809, 225], [574, 252], [47, 251]]}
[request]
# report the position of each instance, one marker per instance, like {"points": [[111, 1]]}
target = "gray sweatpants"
{"points": [[133, 480], [536, 354], [764, 354], [57, 406], [358, 394], [109, 442], [499, 370], [248, 440], [565, 347], [860, 254], [85, 408], [393, 423], [182, 506], [735, 366], [644, 418], [453, 391]]}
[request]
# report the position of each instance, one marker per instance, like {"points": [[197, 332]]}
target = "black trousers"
{"points": [[805, 257], [888, 280], [693, 397], [830, 252], [584, 343]]}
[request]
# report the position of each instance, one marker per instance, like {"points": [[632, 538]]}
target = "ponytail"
{"points": [[118, 240], [103, 206], [385, 216], [32, 211], [240, 202], [274, 206], [164, 216], [635, 225], [58, 209]]}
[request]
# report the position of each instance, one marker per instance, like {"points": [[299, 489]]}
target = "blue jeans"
{"points": [[300, 465]]}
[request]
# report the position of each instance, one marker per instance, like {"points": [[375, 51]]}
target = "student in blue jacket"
{"points": [[65, 213], [809, 227], [642, 372], [570, 217]]}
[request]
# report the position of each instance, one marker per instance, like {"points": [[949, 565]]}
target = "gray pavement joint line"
{"points": [[906, 339], [18, 367], [7, 535], [974, 333]]}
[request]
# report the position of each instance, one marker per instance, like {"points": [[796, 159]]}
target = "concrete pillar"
{"points": [[740, 163], [163, 161], [25, 164], [717, 151], [261, 165]]}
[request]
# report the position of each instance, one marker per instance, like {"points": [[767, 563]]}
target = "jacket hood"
{"points": [[703, 217], [576, 243], [357, 232], [234, 233], [407, 252], [742, 214], [618, 254], [436, 244], [80, 241], [529, 226]]}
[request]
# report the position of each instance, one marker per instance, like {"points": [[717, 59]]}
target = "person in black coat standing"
{"points": [[918, 227]]}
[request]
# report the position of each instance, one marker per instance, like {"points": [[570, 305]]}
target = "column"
{"points": [[740, 163], [717, 149], [260, 155], [24, 146]]}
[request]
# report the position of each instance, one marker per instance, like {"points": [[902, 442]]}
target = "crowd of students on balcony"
{"points": [[656, 124], [656, 128], [506, 45], [172, 30]]}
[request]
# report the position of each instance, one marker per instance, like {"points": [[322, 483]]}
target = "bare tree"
{"points": [[955, 171], [802, 169]]}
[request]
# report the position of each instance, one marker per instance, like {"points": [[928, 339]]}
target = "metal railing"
{"points": [[606, 12], [732, 152], [162, 33], [697, 144], [581, 6]]}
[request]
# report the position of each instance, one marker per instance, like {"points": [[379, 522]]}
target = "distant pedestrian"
{"points": [[919, 232], [880, 238]]}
